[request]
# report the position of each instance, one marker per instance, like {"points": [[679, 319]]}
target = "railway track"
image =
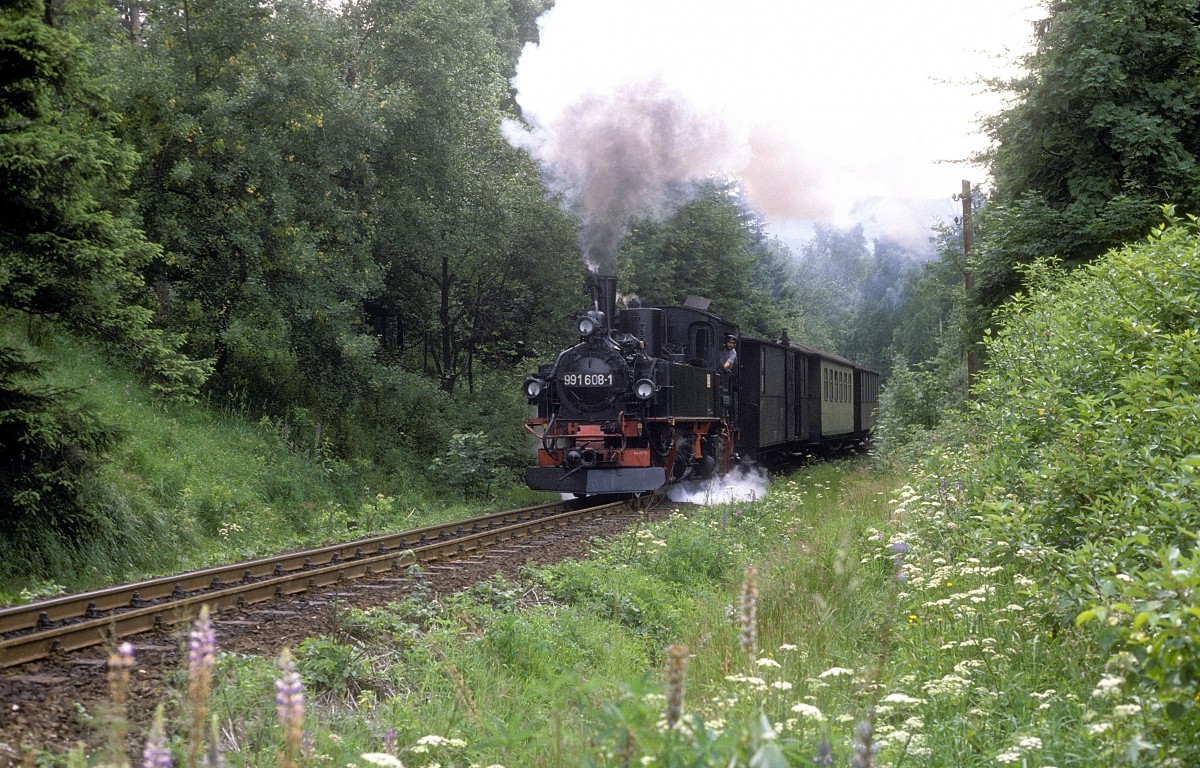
{"points": [[43, 629]]}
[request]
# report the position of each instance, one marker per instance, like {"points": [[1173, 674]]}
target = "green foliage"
{"points": [[1091, 391], [916, 400], [254, 183], [1091, 425], [478, 263], [48, 449], [68, 247], [471, 463], [706, 249], [631, 598], [1101, 132], [327, 665]]}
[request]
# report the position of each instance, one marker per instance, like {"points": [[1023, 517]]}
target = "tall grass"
{"points": [[565, 668], [887, 631], [191, 484]]}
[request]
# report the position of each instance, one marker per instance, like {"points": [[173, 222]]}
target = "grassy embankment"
{"points": [[186, 485], [827, 645]]}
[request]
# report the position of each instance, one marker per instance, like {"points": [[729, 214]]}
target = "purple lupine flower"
{"points": [[119, 665], [677, 656], [202, 644], [308, 745], [864, 746], [289, 706], [202, 656], [749, 612], [156, 754], [900, 548], [390, 742], [824, 754]]}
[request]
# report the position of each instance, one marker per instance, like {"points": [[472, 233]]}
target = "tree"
{"points": [[465, 275], [706, 249], [69, 251], [257, 182], [1103, 131]]}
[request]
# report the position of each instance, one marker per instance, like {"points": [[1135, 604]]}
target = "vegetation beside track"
{"points": [[189, 484], [952, 663]]}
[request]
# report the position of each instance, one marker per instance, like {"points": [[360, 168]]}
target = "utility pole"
{"points": [[968, 278]]}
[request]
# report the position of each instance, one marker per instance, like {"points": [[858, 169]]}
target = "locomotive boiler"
{"points": [[644, 399]]}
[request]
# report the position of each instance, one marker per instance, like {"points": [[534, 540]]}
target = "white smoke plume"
{"points": [[636, 152], [743, 483], [827, 113]]}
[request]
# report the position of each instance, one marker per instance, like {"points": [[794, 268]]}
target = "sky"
{"points": [[842, 113]]}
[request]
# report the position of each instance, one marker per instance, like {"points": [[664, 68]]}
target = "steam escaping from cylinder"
{"points": [[636, 152], [742, 483]]}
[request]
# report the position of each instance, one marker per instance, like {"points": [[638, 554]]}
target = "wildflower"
{"points": [[1029, 742], [787, 647], [749, 611], [894, 737], [156, 754], [1008, 756], [782, 685], [767, 663], [1126, 710], [202, 653], [390, 738], [901, 698], [824, 754], [864, 746], [383, 759], [1108, 687], [676, 677], [836, 672], [753, 682], [433, 740], [289, 706], [808, 711], [120, 663]]}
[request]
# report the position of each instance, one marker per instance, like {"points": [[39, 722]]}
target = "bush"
{"points": [[49, 447], [1092, 410], [471, 464]]}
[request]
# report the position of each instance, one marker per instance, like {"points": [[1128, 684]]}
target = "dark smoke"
{"points": [[633, 153]]}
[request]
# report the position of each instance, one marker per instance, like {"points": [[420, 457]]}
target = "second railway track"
{"points": [[72, 622]]}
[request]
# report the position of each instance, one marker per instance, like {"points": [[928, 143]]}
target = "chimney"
{"points": [[603, 289]]}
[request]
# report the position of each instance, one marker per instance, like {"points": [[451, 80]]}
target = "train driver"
{"points": [[730, 353]]}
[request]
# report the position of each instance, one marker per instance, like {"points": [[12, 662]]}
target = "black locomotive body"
{"points": [[644, 400]]}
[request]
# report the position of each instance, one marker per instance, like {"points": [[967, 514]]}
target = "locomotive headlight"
{"points": [[590, 323], [644, 389], [533, 388]]}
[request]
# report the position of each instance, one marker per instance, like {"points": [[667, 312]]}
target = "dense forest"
{"points": [[309, 215]]}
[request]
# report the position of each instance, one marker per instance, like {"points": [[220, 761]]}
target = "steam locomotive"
{"points": [[643, 399]]}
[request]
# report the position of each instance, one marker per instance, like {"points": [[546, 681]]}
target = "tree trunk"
{"points": [[444, 320]]}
